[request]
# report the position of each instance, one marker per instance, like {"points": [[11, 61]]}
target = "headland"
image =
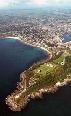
{"points": [[46, 76]]}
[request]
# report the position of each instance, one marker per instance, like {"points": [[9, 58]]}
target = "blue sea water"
{"points": [[15, 57], [67, 37]]}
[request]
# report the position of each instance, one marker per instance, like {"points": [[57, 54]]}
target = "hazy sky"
{"points": [[32, 3]]}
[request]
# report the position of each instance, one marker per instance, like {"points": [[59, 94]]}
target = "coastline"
{"points": [[41, 47], [13, 38], [13, 105]]}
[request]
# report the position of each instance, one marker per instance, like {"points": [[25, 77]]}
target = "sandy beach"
{"points": [[14, 38]]}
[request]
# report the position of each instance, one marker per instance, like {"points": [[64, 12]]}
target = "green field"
{"points": [[59, 60], [44, 69]]}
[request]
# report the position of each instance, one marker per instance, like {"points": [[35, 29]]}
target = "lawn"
{"points": [[44, 69], [59, 60]]}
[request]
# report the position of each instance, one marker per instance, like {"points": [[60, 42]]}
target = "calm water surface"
{"points": [[67, 37], [16, 57]]}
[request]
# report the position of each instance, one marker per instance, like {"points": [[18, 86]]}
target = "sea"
{"points": [[15, 57], [67, 37]]}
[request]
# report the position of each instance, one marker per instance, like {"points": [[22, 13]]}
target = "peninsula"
{"points": [[46, 76]]}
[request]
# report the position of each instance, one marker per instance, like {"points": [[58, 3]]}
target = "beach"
{"points": [[14, 38]]}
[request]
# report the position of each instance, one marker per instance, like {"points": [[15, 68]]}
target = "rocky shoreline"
{"points": [[15, 107]]}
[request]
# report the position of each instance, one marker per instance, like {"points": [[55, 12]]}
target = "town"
{"points": [[44, 30]]}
